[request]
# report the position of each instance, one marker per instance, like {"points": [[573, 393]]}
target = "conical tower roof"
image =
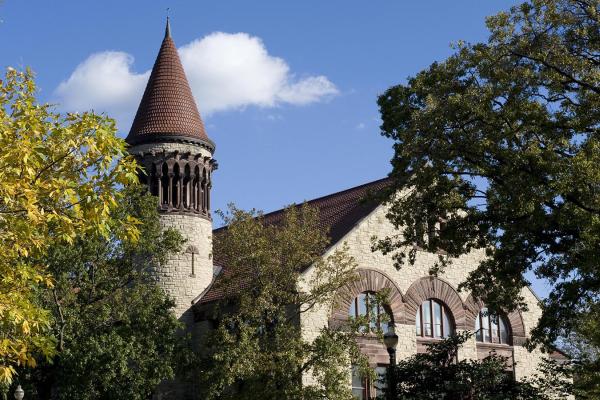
{"points": [[168, 111]]}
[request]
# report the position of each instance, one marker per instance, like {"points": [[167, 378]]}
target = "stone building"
{"points": [[169, 139]]}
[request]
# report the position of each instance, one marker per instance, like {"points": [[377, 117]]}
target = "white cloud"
{"points": [[225, 71], [360, 126], [308, 90], [105, 83]]}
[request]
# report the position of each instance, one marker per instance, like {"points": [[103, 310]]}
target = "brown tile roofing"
{"points": [[338, 214], [167, 110]]}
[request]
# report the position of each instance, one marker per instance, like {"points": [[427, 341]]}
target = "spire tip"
{"points": [[168, 28]]}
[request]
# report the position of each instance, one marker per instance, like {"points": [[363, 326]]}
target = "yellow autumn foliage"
{"points": [[59, 178]]}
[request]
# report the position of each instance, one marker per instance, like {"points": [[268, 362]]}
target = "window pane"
{"points": [[486, 335], [494, 328], [503, 331], [478, 333], [373, 326], [427, 318], [358, 388], [372, 314], [380, 382], [362, 311], [362, 304], [427, 328], [448, 328], [356, 379], [352, 309], [485, 322], [373, 309], [437, 318], [382, 316], [418, 322]]}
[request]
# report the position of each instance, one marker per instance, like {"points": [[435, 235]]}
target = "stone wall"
{"points": [[176, 277], [188, 273], [179, 283], [359, 244]]}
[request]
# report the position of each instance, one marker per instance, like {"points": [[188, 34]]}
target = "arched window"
{"points": [[434, 320], [154, 180], [491, 328], [203, 191], [164, 186], [176, 187], [186, 197], [368, 310], [196, 189]]}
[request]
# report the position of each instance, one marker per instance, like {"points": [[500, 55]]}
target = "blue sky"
{"points": [[324, 63]]}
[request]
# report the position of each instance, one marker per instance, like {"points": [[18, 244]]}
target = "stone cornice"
{"points": [[171, 138]]}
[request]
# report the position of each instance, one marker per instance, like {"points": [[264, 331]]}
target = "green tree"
{"points": [[437, 374], [117, 336], [59, 179], [498, 148], [583, 346], [257, 349]]}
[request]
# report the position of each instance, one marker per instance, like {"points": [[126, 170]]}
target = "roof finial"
{"points": [[168, 29]]}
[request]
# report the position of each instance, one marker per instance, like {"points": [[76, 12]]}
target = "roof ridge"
{"points": [[339, 193], [339, 213], [342, 191]]}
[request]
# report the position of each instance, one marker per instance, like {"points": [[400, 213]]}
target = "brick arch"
{"points": [[369, 280], [515, 319], [430, 287]]}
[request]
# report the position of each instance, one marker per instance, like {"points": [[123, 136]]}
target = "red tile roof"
{"points": [[167, 110], [338, 214]]}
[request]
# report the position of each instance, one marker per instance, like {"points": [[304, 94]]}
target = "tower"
{"points": [[169, 140]]}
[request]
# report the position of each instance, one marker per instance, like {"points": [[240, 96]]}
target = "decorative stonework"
{"points": [[434, 288], [154, 148], [369, 280], [515, 319], [180, 181]]}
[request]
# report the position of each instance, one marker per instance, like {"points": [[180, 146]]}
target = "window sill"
{"points": [[494, 345], [421, 339]]}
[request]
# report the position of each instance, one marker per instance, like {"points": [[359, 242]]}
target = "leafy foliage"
{"points": [[258, 349], [497, 148], [583, 346], [437, 374], [115, 327], [59, 179]]}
